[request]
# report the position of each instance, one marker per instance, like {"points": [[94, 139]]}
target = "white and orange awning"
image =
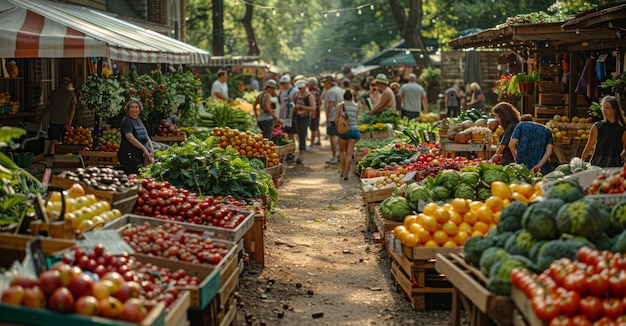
{"points": [[45, 29]]}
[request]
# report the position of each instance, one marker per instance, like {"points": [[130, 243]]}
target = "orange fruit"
{"points": [[465, 227], [475, 205], [397, 230], [431, 244], [519, 197], [460, 205], [411, 240], [456, 217], [423, 235], [494, 203], [427, 222], [414, 228], [402, 234], [476, 234], [441, 215], [501, 189], [506, 202], [450, 228], [440, 237], [485, 215], [449, 244], [430, 208], [447, 206], [470, 218], [409, 219], [526, 189], [481, 227], [460, 238], [496, 217]]}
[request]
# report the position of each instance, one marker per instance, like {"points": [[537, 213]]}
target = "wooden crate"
{"points": [[373, 197], [177, 313], [109, 196], [222, 310], [550, 71], [13, 247], [523, 307], [482, 306], [384, 227], [98, 157], [69, 149], [283, 150], [419, 281], [253, 241], [551, 87]]}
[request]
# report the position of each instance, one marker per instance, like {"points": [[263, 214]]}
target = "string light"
{"points": [[301, 13], [274, 12], [337, 12]]}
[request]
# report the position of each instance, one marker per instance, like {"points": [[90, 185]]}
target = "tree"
{"points": [[246, 21], [410, 27], [218, 27]]}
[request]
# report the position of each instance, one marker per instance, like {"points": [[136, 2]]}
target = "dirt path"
{"points": [[320, 258]]}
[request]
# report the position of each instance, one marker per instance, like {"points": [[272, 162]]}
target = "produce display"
{"points": [[564, 130], [608, 182], [535, 236], [168, 129], [574, 166], [220, 114], [163, 201], [590, 289], [172, 241], [78, 136], [247, 144], [206, 169], [112, 289], [101, 178], [109, 140]]}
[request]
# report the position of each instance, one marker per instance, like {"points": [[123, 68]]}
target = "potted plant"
{"points": [[617, 84]]}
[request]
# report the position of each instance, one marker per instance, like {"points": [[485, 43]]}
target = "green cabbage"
{"points": [[448, 179], [470, 178], [414, 192], [395, 208], [464, 191], [491, 175], [440, 193]]}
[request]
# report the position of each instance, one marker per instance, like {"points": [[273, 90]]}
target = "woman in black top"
{"points": [[508, 117], [608, 136], [136, 147]]}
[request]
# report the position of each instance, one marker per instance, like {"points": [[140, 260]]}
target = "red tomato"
{"points": [[604, 321], [584, 254], [581, 320], [617, 284], [612, 307], [576, 282], [597, 285], [570, 302], [561, 320], [545, 310], [591, 307]]}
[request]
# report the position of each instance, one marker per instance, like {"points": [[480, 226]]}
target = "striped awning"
{"points": [[45, 29]]}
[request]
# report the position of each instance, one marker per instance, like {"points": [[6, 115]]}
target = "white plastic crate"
{"points": [[585, 178]]}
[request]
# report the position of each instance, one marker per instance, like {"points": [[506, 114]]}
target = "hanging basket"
{"points": [[527, 88]]}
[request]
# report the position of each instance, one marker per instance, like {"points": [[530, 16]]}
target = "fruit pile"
{"points": [[110, 140], [78, 136], [247, 144], [101, 178], [608, 183], [98, 284], [164, 201], [563, 129], [424, 164], [173, 241], [168, 129], [591, 290], [82, 210]]}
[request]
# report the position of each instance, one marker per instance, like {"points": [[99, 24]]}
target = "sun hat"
{"points": [[328, 78], [298, 77], [381, 79], [300, 83], [313, 81], [271, 83], [285, 79]]}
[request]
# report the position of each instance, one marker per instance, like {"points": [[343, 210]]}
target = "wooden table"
{"points": [[449, 149]]}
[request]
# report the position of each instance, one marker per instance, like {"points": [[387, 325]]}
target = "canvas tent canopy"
{"points": [[45, 29]]}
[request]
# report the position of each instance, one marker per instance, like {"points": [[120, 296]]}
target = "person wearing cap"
{"points": [[268, 103], [219, 90], [413, 98], [315, 114], [61, 107], [387, 97], [304, 105], [332, 97]]}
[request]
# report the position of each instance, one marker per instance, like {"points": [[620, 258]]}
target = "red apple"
{"points": [[128, 290], [34, 298], [116, 278], [61, 300], [49, 281], [25, 281], [103, 289], [110, 307], [13, 295], [133, 311], [88, 305], [82, 285], [65, 272]]}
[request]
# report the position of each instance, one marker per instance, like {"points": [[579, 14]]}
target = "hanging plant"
{"points": [[103, 94]]}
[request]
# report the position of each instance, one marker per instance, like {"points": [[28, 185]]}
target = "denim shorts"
{"points": [[352, 134], [331, 129]]}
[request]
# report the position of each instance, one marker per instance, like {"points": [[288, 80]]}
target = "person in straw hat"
{"points": [[387, 98]]}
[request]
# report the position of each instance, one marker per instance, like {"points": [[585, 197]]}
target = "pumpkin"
{"points": [[452, 133], [467, 124], [463, 137], [492, 124]]}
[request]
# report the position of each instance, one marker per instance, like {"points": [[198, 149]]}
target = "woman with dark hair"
{"points": [[508, 117], [349, 139], [136, 147], [531, 145], [607, 136]]}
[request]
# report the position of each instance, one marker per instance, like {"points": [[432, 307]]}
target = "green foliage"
{"points": [[416, 192], [206, 169], [105, 95], [218, 113], [188, 85]]}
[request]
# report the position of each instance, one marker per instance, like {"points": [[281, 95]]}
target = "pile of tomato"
{"points": [[590, 291]]}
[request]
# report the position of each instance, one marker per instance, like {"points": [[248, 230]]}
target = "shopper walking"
{"points": [[315, 115], [61, 108], [452, 99], [387, 97], [219, 90], [304, 105], [349, 139], [267, 118], [413, 97], [332, 97], [607, 137]]}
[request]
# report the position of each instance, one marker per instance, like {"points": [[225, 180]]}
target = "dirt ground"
{"points": [[322, 266]]}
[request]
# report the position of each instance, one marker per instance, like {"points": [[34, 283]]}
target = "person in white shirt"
{"points": [[413, 97], [219, 90], [332, 97]]}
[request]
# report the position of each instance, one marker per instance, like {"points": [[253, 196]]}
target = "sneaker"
{"points": [[318, 143], [310, 149], [299, 161], [333, 160]]}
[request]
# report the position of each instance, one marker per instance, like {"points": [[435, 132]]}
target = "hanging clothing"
{"points": [[588, 82]]}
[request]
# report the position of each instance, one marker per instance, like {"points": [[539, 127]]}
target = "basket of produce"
{"points": [[282, 150], [275, 171]]}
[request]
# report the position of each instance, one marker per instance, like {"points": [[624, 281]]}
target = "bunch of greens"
{"points": [[105, 95], [206, 169], [595, 110], [388, 115], [219, 114], [187, 85]]}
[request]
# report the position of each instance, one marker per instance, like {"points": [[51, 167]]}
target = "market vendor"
{"points": [[603, 135], [136, 147], [508, 117]]}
